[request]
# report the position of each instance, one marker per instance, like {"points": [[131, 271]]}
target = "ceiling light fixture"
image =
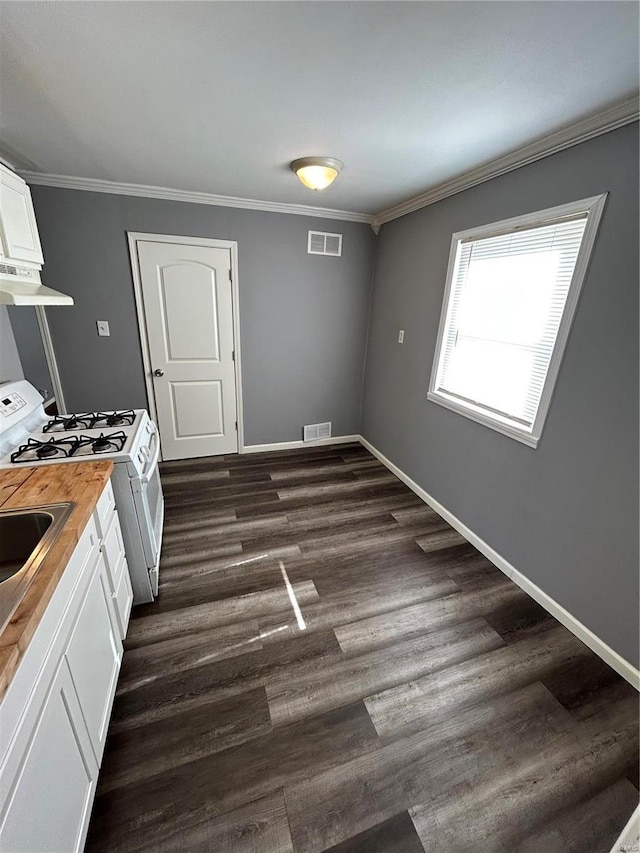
{"points": [[317, 172]]}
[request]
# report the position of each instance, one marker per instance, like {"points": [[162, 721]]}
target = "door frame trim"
{"points": [[50, 356], [133, 237]]}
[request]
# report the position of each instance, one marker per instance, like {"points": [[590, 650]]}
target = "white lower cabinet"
{"points": [[93, 654], [55, 782], [55, 714], [123, 597], [118, 572]]}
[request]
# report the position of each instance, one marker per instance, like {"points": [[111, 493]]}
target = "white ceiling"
{"points": [[219, 97]]}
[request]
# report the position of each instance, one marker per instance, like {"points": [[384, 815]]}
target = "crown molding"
{"points": [[143, 191], [621, 113], [12, 160]]}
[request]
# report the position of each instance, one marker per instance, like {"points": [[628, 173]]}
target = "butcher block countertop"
{"points": [[25, 488]]}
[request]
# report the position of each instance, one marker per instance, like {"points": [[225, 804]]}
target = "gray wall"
{"points": [[566, 514], [30, 348], [10, 365], [303, 318]]}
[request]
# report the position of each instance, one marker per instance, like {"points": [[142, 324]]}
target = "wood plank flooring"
{"points": [[330, 667]]}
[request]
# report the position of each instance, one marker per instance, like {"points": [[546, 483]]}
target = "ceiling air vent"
{"points": [[321, 243]]}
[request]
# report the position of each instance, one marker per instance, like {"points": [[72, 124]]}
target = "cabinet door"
{"points": [[123, 599], [47, 789], [18, 220], [113, 550], [93, 654]]}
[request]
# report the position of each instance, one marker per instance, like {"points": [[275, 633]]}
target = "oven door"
{"points": [[149, 502]]}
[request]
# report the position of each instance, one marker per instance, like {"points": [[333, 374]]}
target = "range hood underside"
{"points": [[17, 293]]}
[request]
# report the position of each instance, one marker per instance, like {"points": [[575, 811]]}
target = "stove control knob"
{"points": [[158, 372]]}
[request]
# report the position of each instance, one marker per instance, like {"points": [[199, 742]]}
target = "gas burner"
{"points": [[101, 443], [55, 448], [46, 450], [111, 443], [66, 423], [90, 420], [114, 418]]}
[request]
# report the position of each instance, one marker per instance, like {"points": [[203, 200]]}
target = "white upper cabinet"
{"points": [[19, 239]]}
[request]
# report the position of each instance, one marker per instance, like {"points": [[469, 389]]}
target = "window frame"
{"points": [[593, 207]]}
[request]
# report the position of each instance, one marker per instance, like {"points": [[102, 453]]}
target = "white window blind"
{"points": [[505, 303]]}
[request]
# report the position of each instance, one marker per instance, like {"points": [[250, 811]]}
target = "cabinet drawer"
{"points": [[105, 509], [123, 598], [113, 550]]}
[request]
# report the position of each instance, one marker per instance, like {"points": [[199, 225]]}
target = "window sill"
{"points": [[481, 417]]}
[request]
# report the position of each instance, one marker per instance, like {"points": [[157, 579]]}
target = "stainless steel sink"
{"points": [[26, 536]]}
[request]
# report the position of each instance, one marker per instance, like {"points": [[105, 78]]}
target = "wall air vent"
{"points": [[312, 432], [321, 243]]}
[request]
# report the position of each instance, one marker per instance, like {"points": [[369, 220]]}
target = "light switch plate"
{"points": [[401, 336], [103, 328]]}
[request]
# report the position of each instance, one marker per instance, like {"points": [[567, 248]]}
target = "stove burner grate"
{"points": [[90, 420], [71, 446], [111, 443], [55, 448], [116, 418], [66, 423]]}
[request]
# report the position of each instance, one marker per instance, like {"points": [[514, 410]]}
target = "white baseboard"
{"points": [[293, 445], [630, 837], [615, 661]]}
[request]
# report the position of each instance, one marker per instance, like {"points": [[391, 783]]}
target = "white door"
{"points": [[188, 310]]}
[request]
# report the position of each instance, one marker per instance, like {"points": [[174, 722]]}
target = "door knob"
{"points": [[158, 372]]}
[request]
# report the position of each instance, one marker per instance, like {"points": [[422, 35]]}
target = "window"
{"points": [[511, 293]]}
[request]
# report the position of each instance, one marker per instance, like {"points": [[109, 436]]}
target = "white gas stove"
{"points": [[28, 436]]}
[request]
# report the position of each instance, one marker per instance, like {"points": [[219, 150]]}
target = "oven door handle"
{"points": [[151, 464]]}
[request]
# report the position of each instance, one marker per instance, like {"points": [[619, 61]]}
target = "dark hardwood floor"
{"points": [[330, 667]]}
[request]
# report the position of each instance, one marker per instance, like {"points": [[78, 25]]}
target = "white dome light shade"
{"points": [[317, 172]]}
